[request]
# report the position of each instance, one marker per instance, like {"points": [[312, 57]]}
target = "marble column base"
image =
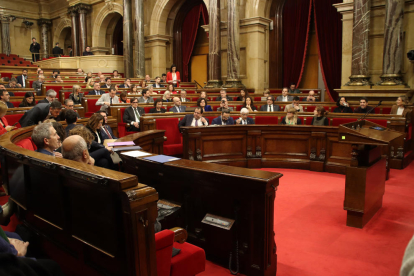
{"points": [[391, 80], [359, 80], [234, 83], [214, 84]]}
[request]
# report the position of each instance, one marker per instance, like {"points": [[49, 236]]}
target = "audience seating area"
{"points": [[14, 60]]}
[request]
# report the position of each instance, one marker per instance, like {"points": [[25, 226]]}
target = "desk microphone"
{"points": [[368, 112]]}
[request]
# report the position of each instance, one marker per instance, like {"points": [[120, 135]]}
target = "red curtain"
{"points": [[328, 25], [189, 35], [296, 25]]}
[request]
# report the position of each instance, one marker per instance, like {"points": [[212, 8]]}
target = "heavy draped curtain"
{"points": [[296, 27], [189, 35]]}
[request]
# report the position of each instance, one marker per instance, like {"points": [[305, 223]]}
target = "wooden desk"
{"points": [[236, 193]]}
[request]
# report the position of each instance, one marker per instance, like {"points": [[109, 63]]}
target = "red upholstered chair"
{"points": [[339, 121], [190, 261], [27, 143], [122, 127], [147, 109], [386, 110], [16, 104], [174, 144], [163, 245], [309, 108], [13, 118], [377, 110], [92, 107], [194, 99], [214, 107], [257, 99], [66, 95], [266, 120], [19, 94], [191, 91], [327, 108]]}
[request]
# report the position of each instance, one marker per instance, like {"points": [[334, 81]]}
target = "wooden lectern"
{"points": [[365, 178]]}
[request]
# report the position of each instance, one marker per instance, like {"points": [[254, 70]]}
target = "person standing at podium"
{"points": [[363, 106]]}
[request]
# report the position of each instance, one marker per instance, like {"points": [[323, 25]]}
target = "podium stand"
{"points": [[365, 178]]}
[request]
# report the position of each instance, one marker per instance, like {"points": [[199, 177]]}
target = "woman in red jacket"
{"points": [[173, 76], [4, 125]]}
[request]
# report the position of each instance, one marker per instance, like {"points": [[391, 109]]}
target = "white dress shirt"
{"points": [[24, 81], [135, 113], [199, 122], [183, 99], [270, 108], [400, 111], [285, 98]]}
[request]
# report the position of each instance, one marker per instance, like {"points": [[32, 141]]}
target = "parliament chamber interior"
{"points": [[220, 137]]}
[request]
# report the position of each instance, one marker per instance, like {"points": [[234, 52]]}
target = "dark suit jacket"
{"points": [[129, 115], [174, 109], [304, 99], [43, 101], [250, 121], [9, 105], [187, 120], [87, 54], [96, 136], [360, 110], [275, 107], [123, 86], [296, 91], [217, 121], [159, 87], [104, 135], [76, 101], [34, 48], [154, 110], [11, 94], [105, 86], [68, 128], [35, 115], [20, 80], [57, 51], [93, 92], [37, 86], [298, 122]]}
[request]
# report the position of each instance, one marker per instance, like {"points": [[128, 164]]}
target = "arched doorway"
{"points": [[65, 40], [104, 30], [276, 45], [118, 38], [187, 28]]}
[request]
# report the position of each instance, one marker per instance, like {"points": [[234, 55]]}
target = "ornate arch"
{"points": [[64, 23], [104, 16], [163, 14]]}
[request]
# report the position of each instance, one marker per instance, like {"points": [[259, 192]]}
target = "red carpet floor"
{"points": [[311, 235]]}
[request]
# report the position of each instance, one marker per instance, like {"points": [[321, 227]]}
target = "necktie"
{"points": [[97, 93], [136, 113], [178, 109], [110, 101], [196, 123], [244, 122], [270, 108], [107, 133]]}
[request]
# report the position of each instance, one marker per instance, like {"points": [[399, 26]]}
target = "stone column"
{"points": [[393, 44], [360, 44], [128, 57], [83, 10], [5, 34], [139, 39], [214, 43], [73, 11], [233, 45], [44, 37]]}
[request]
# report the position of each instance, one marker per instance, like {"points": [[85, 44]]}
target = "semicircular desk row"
{"points": [[95, 221]]}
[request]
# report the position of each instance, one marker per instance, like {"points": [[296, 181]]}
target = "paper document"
{"points": [[136, 153], [128, 143]]}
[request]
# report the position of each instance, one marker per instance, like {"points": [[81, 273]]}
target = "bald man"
{"points": [[74, 148]]}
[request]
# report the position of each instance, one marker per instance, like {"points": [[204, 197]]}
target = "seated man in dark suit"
{"points": [[244, 120], [183, 96], [164, 78], [46, 139], [96, 90], [37, 85], [224, 119], [223, 95], [5, 97], [177, 106], [71, 118], [158, 83], [292, 89], [35, 115], [107, 83], [194, 120], [87, 51], [50, 97], [126, 84], [310, 97], [270, 107], [70, 105], [106, 131], [363, 106], [22, 78], [133, 114], [57, 51], [13, 83]]}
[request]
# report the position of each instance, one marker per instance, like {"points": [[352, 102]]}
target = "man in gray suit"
{"points": [[108, 99], [146, 98], [270, 107], [177, 106], [37, 85], [284, 97]]}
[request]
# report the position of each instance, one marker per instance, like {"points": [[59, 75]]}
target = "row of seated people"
{"points": [[76, 142]]}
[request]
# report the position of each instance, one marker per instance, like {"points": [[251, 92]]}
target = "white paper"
{"points": [[136, 153]]}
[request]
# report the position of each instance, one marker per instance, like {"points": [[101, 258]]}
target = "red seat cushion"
{"points": [[386, 110], [122, 130], [91, 106], [190, 261], [309, 108], [340, 121], [257, 99], [19, 94], [16, 104], [163, 245], [147, 109], [27, 143], [266, 120]]}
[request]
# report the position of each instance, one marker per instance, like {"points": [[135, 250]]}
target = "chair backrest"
{"points": [[27, 143], [339, 121], [266, 120], [170, 125], [91, 105], [147, 109], [13, 118], [163, 247]]}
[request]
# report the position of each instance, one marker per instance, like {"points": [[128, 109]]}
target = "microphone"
{"points": [[368, 112]]}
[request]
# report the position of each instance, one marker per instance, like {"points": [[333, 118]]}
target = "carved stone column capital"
{"points": [[42, 22], [73, 11], [83, 8]]}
